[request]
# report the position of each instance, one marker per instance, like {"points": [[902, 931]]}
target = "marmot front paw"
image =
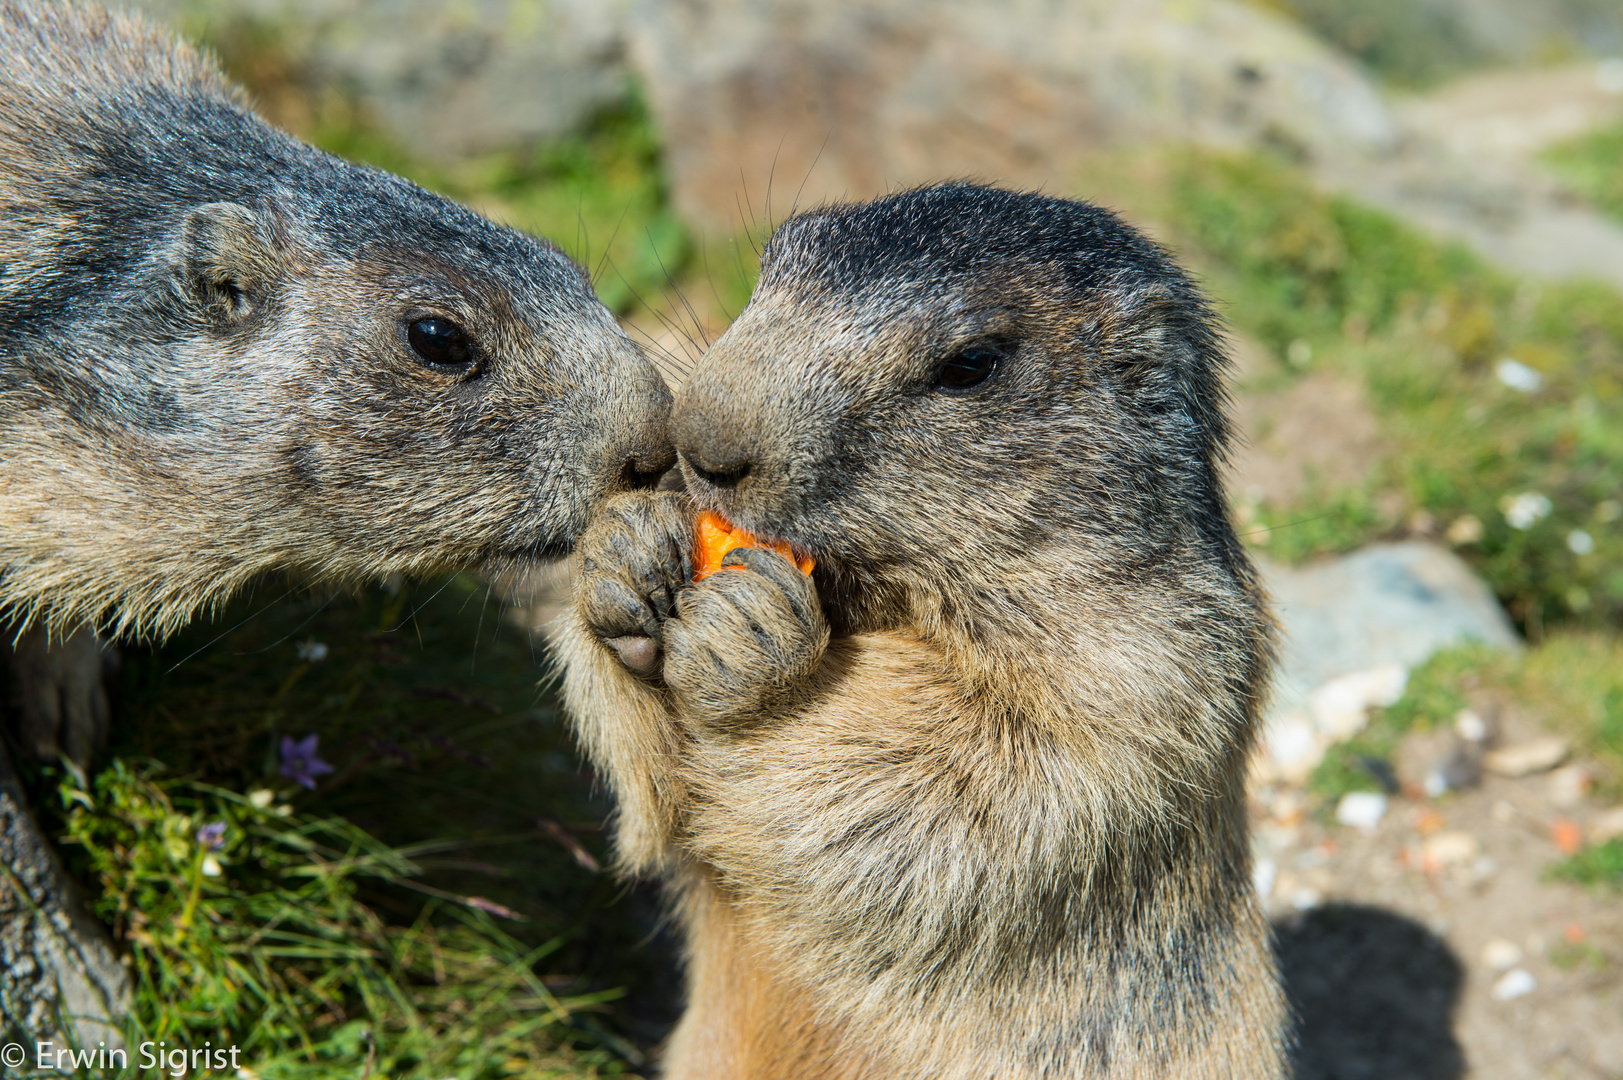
{"points": [[635, 557], [744, 638]]}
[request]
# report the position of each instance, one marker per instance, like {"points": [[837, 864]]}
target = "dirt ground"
{"points": [[1394, 938], [1402, 944]]}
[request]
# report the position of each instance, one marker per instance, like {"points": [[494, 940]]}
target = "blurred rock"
{"points": [[1475, 727], [446, 79], [1568, 786], [1608, 826], [1449, 849], [1469, 169], [1361, 809], [1501, 955], [1515, 983], [1389, 604], [830, 99], [1340, 706], [1435, 762], [1526, 758]]}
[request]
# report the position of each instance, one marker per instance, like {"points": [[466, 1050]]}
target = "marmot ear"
{"points": [[229, 260]]}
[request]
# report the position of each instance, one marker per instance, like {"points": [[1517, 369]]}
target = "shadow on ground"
{"points": [[1374, 995]]}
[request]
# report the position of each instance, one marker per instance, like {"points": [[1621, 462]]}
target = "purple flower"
{"points": [[299, 761], [212, 836]]}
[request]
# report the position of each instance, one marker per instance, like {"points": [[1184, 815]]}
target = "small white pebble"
{"points": [[1451, 847], [1526, 758], [1525, 510], [1470, 725], [1518, 376], [1263, 874], [1607, 826], [1513, 984], [1580, 542], [1464, 530], [1501, 955], [1567, 786], [1609, 75], [1361, 809]]}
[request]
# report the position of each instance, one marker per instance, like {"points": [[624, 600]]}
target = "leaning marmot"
{"points": [[224, 352], [968, 802]]}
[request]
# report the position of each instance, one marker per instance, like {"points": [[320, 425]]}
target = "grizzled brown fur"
{"points": [[967, 803], [205, 370]]}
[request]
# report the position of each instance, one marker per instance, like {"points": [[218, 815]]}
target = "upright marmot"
{"points": [[968, 802], [223, 351]]}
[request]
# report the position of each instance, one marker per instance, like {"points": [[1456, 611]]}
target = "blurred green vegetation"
{"points": [[1593, 165], [597, 193], [1406, 42], [259, 939], [1425, 328], [1572, 682], [1601, 864], [1413, 44]]}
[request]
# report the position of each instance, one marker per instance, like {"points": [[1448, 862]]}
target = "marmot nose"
{"points": [[642, 471], [643, 452], [721, 425], [728, 473]]}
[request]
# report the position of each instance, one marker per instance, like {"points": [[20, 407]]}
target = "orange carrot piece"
{"points": [[715, 536]]}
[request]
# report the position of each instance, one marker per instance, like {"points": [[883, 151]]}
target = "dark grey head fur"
{"points": [[205, 368], [827, 418]]}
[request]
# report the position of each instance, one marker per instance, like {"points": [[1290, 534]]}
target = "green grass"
{"points": [[1422, 326], [432, 906], [1600, 865], [1593, 165], [1571, 682], [261, 939]]}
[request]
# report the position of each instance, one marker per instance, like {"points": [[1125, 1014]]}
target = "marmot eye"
{"points": [[440, 342], [969, 367]]}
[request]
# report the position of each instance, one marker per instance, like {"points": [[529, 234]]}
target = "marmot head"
{"points": [[956, 382], [454, 392], [205, 319]]}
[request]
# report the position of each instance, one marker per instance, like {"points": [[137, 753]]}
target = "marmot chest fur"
{"points": [[968, 801], [223, 351]]}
